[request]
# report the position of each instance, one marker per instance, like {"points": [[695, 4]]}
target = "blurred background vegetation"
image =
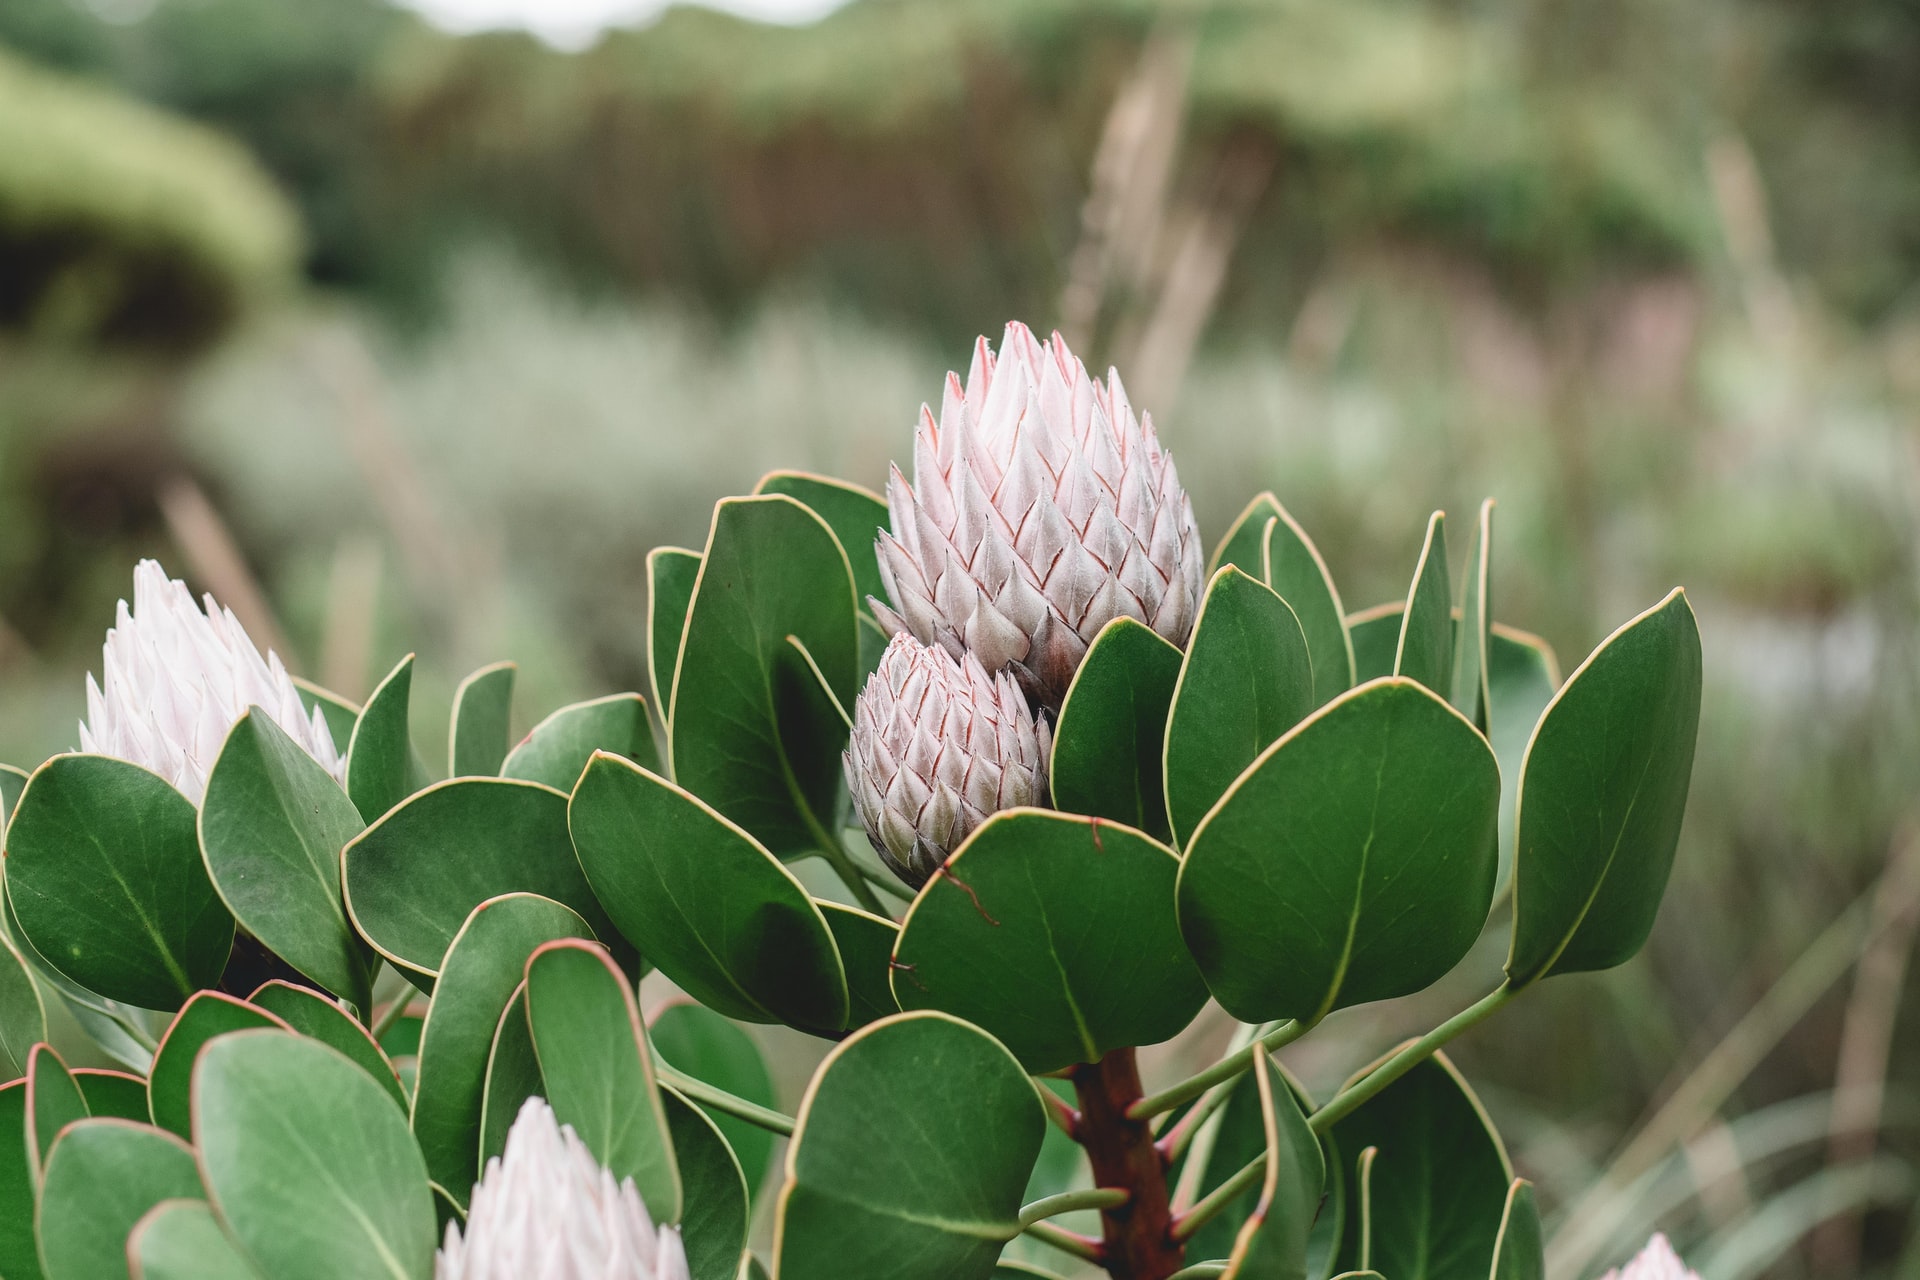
{"points": [[399, 339]]}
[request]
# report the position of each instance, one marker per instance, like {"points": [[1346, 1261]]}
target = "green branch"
{"points": [[720, 1100], [1065, 1241], [1225, 1069], [1069, 1201]]}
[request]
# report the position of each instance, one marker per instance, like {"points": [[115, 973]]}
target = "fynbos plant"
{"points": [[376, 1024]]}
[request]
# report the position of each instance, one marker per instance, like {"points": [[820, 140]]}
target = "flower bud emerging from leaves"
{"points": [[1041, 509], [939, 745], [174, 680], [1657, 1261], [547, 1210]]}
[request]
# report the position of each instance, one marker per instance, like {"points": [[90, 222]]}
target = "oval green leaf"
{"points": [[113, 1093], [380, 770], [53, 1101], [1273, 1239], [19, 1255], [856, 516], [1109, 743], [1297, 574], [1056, 934], [714, 1229], [1424, 651], [1522, 677], [866, 943], [892, 1170], [1246, 680], [480, 729], [315, 1016], [597, 1068], [101, 1179], [483, 969], [671, 573], [308, 1163], [1520, 1252], [559, 747], [182, 1240], [106, 882], [1470, 658], [1602, 796], [513, 1076], [704, 901], [271, 830], [23, 1018], [1376, 639], [753, 734], [1353, 862], [698, 1042], [170, 1085], [413, 878]]}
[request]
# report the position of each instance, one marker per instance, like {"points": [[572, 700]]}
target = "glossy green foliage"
{"points": [[866, 944], [1294, 569], [855, 515], [714, 1228], [1354, 862], [557, 750], [208, 1014], [1471, 662], [1272, 1242], [105, 879], [671, 573], [1109, 744], [1602, 798], [698, 1042], [885, 1134], [1437, 1188], [704, 901], [182, 1240], [1247, 679], [1055, 934], [312, 1014], [481, 727], [1520, 1251], [271, 829], [19, 1255], [1522, 677], [598, 1069], [23, 1018], [1424, 650], [752, 732], [112, 1093], [380, 768], [101, 1179], [413, 877], [483, 970], [53, 1101], [308, 1163], [1376, 639], [513, 1076]]}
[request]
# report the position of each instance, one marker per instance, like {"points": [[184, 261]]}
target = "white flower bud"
{"points": [[1657, 1261]]}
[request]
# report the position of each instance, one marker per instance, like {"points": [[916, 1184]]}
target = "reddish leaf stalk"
{"points": [[1137, 1237]]}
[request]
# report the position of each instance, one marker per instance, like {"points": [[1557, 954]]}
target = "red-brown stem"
{"points": [[1137, 1236]]}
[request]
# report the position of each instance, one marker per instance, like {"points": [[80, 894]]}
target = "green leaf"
{"points": [[19, 1255], [1425, 648], [112, 1093], [704, 901], [13, 780], [1245, 545], [513, 1076], [483, 969], [855, 515], [315, 1016], [23, 1017], [380, 769], [182, 1240], [1239, 1138], [414, 877], [1272, 1243], [1297, 574], [53, 1100], [1246, 680], [1522, 676], [106, 882], [1470, 659], [752, 733], [308, 1163], [559, 747], [866, 944], [1055, 934], [1353, 862], [1602, 797], [1005, 1270], [598, 1070], [208, 1014], [271, 830], [101, 1179], [481, 728], [1109, 744], [1438, 1185], [1376, 639], [1519, 1253], [715, 1227], [339, 713], [671, 573], [698, 1042], [894, 1169]]}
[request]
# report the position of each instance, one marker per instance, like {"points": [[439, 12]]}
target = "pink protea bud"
{"points": [[1657, 1261], [939, 745], [1041, 509]]}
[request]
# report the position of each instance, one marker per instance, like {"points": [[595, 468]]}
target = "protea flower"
{"points": [[1041, 509], [174, 680], [938, 745], [547, 1210], [1657, 1261]]}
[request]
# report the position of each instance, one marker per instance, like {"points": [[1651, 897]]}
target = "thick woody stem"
{"points": [[1137, 1237]]}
